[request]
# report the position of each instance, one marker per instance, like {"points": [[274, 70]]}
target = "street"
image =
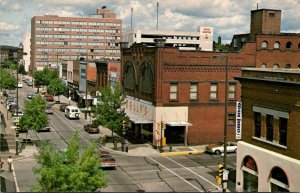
{"points": [[192, 173]]}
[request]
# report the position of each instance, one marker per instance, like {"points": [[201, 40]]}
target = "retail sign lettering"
{"points": [[238, 127]]}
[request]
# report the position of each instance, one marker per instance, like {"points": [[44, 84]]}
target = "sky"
{"points": [[227, 17]]}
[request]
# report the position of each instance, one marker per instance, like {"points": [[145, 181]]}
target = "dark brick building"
{"points": [[268, 155]]}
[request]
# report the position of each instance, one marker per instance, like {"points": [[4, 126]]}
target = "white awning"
{"points": [[137, 119], [178, 123]]}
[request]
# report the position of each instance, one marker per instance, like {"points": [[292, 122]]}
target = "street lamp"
{"points": [[224, 185]]}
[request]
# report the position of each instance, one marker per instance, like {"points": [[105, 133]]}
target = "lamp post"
{"points": [[224, 183]]}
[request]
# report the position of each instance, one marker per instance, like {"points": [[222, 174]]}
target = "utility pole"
{"points": [[157, 15], [86, 90]]}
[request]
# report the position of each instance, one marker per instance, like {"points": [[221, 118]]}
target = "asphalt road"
{"points": [[192, 173]]}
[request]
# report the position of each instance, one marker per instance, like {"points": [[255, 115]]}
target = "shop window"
{"points": [[269, 126], [264, 45], [250, 175], [282, 131], [214, 91], [288, 66], [288, 45], [279, 180], [231, 91], [263, 65], [257, 124], [275, 66], [276, 45], [173, 91], [193, 91]]}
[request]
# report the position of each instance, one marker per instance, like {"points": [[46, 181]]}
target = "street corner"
{"points": [[178, 153]]}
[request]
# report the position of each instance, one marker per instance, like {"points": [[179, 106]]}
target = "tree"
{"points": [[43, 78], [8, 81], [57, 87], [21, 69], [34, 117], [108, 111], [80, 171]]}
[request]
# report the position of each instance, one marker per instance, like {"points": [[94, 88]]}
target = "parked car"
{"points": [[20, 113], [219, 148], [49, 97], [91, 128], [29, 83], [30, 95], [63, 106], [20, 85], [46, 128], [11, 101], [106, 160], [49, 110]]}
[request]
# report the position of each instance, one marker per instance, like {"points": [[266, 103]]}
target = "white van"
{"points": [[72, 112]]}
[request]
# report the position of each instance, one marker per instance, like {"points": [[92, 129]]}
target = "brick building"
{"points": [[268, 157], [183, 98]]}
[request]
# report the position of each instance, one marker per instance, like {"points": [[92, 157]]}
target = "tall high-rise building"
{"points": [[54, 38]]}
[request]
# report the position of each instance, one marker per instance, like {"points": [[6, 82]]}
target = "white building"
{"points": [[202, 39]]}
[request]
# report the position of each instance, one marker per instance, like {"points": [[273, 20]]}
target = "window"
{"points": [[269, 126], [282, 131], [257, 124], [288, 66], [275, 66], [173, 91], [129, 77], [213, 91], [263, 65], [231, 119], [276, 45], [298, 66], [146, 78], [279, 181], [234, 43], [264, 45], [231, 91], [299, 46], [193, 91], [288, 45]]}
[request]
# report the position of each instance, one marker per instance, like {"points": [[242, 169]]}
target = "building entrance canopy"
{"points": [[178, 123], [137, 119]]}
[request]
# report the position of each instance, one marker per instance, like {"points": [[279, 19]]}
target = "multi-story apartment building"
{"points": [[200, 40], [55, 38], [268, 156], [11, 53]]}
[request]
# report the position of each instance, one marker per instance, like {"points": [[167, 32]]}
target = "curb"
{"points": [[181, 153]]}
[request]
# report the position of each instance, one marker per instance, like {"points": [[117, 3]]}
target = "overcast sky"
{"points": [[227, 17]]}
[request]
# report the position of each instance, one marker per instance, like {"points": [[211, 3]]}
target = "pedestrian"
{"points": [[1, 163], [126, 145], [9, 162]]}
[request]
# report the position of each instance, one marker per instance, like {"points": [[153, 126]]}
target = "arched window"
{"points": [[288, 66], [146, 78], [275, 66], [129, 75], [288, 45], [264, 45], [278, 180], [250, 175], [263, 65], [299, 46], [298, 66], [276, 45]]}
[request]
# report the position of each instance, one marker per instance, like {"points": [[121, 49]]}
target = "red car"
{"points": [[48, 97]]}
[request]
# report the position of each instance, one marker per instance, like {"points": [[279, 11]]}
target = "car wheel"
{"points": [[217, 152]]}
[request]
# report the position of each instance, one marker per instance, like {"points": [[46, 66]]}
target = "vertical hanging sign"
{"points": [[238, 127]]}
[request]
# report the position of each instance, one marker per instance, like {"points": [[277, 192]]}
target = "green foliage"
{"points": [[34, 117], [57, 87], [109, 111], [81, 171], [8, 80], [9, 64], [43, 78], [22, 69]]}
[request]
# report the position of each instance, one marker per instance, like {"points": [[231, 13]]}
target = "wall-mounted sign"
{"points": [[238, 122]]}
